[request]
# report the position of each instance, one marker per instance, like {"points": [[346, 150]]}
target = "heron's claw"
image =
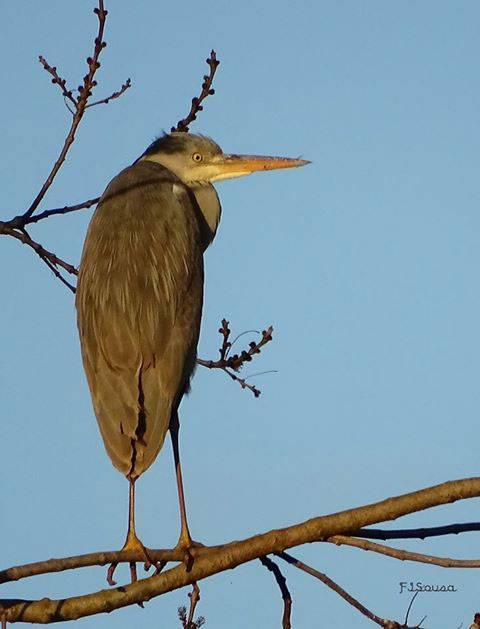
{"points": [[110, 572], [132, 543], [189, 548]]}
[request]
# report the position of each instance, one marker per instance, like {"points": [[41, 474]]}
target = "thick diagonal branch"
{"points": [[217, 559]]}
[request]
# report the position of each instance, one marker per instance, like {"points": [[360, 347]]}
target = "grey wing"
{"points": [[139, 301]]}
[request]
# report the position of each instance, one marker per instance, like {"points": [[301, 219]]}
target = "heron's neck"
{"points": [[209, 204]]}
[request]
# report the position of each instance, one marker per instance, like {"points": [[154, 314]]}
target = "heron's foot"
{"points": [[189, 548], [132, 543]]}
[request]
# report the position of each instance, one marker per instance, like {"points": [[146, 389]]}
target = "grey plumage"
{"points": [[139, 303]]}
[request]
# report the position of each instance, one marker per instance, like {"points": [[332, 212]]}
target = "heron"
{"points": [[140, 295]]}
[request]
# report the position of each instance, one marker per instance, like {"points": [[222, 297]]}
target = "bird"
{"points": [[140, 294]]}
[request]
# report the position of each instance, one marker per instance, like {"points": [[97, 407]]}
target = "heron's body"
{"points": [[139, 353], [140, 293]]}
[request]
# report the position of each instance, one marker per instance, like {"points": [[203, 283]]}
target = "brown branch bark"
{"points": [[102, 558], [213, 560], [403, 555]]}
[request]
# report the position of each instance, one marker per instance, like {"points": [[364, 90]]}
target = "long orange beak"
{"points": [[229, 166]]}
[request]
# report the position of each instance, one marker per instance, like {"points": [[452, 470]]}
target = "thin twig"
{"points": [[57, 79], [24, 237], [403, 555], [418, 533], [194, 597], [85, 91], [242, 382], [105, 101], [187, 621], [196, 106], [388, 624], [57, 274], [334, 586], [236, 361], [54, 212], [282, 584]]}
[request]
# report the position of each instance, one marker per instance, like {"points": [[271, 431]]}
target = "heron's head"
{"points": [[198, 160]]}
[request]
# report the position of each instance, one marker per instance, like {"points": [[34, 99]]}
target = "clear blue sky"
{"points": [[366, 263]]}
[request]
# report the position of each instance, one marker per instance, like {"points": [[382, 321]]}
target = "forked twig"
{"points": [[18, 222], [383, 622], [80, 103], [232, 364], [57, 79], [43, 253], [85, 91]]}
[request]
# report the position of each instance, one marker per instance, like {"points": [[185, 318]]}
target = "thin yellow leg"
{"points": [[132, 542]]}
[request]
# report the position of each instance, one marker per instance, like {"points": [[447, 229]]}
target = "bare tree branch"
{"points": [[282, 584], [216, 559], [80, 103], [182, 125], [57, 273], [403, 555], [383, 622], [19, 221], [24, 237], [336, 588], [57, 79], [101, 558]]}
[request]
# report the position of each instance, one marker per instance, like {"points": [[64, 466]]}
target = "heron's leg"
{"points": [[131, 542], [185, 539]]}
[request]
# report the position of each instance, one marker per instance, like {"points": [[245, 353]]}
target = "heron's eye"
{"points": [[197, 157]]}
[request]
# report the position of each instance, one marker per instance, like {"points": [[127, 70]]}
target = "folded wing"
{"points": [[139, 301]]}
